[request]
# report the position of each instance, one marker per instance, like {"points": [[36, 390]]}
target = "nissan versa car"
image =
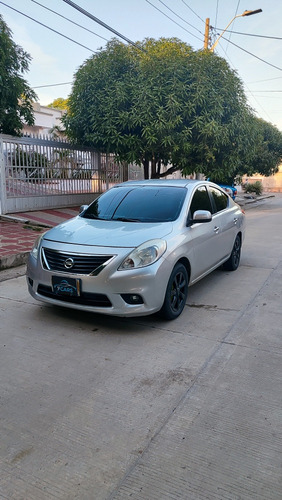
{"points": [[136, 249]]}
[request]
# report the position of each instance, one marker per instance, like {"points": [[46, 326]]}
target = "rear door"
{"points": [[205, 236], [224, 217]]}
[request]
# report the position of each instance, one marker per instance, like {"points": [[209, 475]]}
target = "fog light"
{"points": [[132, 298]]}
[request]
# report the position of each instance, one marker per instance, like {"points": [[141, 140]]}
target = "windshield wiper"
{"points": [[126, 219], [92, 216]]}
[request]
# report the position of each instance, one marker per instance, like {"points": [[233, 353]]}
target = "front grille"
{"points": [[85, 298], [82, 264]]}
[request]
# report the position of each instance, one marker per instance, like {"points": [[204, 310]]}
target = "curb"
{"points": [[21, 220], [248, 201], [13, 260]]}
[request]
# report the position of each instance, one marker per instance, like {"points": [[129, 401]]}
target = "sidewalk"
{"points": [[19, 231]]}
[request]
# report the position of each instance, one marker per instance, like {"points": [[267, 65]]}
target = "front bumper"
{"points": [[111, 292]]}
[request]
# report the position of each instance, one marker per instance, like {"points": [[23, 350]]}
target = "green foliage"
{"points": [[255, 187], [165, 104], [15, 94], [268, 149]]}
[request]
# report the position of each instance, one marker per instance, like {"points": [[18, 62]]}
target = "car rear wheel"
{"points": [[176, 293], [234, 260]]}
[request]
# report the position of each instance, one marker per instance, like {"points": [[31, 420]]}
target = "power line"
{"points": [[70, 20], [52, 85], [175, 22], [266, 80], [252, 95], [188, 7], [266, 91], [235, 15], [45, 26], [250, 53], [86, 13], [182, 19], [247, 34]]}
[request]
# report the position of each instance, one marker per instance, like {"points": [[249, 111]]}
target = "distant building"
{"points": [[46, 121], [272, 184]]}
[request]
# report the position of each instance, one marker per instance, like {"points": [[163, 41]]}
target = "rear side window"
{"points": [[200, 201], [220, 199]]}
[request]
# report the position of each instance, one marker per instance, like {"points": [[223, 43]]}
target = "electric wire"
{"points": [[129, 41], [267, 80], [94, 18], [253, 55], [248, 34], [70, 20], [182, 19], [48, 27], [175, 22], [249, 91], [236, 11], [272, 91], [52, 85], [188, 7]]}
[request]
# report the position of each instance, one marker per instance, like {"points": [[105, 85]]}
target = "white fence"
{"points": [[37, 173]]}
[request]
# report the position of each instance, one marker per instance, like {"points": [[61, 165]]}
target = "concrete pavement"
{"points": [[98, 408]]}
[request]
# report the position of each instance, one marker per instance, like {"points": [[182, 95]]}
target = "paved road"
{"points": [[99, 408]]}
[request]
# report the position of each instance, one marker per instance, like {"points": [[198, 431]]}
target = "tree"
{"points": [[15, 94], [162, 104], [267, 155], [59, 103]]}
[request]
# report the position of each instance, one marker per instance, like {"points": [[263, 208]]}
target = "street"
{"points": [[100, 408]]}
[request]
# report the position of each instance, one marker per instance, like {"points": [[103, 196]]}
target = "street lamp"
{"points": [[245, 13]]}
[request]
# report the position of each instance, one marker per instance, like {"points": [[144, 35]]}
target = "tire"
{"points": [[176, 293], [234, 260]]}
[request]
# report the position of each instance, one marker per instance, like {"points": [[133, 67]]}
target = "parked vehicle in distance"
{"points": [[137, 247], [230, 189]]}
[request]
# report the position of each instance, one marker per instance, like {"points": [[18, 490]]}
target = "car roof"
{"points": [[166, 182]]}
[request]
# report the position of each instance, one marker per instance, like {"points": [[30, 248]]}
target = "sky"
{"points": [[252, 45]]}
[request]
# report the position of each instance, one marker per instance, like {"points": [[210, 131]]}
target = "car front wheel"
{"points": [[176, 293], [234, 260]]}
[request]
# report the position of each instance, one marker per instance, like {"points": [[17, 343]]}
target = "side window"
{"points": [[220, 199], [200, 201]]}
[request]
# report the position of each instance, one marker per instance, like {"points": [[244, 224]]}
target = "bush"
{"points": [[256, 188]]}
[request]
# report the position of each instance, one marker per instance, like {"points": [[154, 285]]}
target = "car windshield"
{"points": [[138, 204]]}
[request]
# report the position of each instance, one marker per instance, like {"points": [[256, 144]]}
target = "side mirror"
{"points": [[82, 208], [200, 216]]}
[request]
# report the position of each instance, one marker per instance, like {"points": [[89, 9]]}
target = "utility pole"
{"points": [[207, 33]]}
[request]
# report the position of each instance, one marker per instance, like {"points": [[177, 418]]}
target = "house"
{"points": [[271, 184], [46, 120]]}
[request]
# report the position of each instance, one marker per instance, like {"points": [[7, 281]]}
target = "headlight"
{"points": [[144, 255], [34, 251]]}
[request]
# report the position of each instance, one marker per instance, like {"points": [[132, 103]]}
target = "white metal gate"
{"points": [[38, 173]]}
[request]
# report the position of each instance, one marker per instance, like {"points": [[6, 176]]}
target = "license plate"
{"points": [[66, 286]]}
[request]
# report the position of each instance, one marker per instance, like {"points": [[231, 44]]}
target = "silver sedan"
{"points": [[137, 247]]}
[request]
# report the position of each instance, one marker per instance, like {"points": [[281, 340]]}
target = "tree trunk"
{"points": [[146, 168], [153, 168], [159, 168]]}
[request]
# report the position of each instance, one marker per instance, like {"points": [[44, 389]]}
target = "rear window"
{"points": [[138, 204], [220, 199]]}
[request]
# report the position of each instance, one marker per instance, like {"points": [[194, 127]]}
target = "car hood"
{"points": [[80, 231]]}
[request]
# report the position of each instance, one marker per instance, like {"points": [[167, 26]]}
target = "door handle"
{"points": [[235, 220], [216, 229]]}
